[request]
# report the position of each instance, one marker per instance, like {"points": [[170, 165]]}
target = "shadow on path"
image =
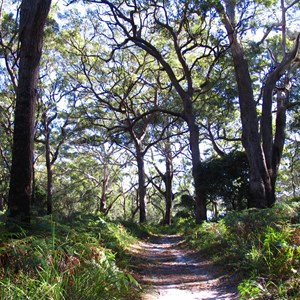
{"points": [[167, 272]]}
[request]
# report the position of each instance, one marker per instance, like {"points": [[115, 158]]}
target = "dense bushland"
{"points": [[79, 258], [85, 256], [262, 245]]}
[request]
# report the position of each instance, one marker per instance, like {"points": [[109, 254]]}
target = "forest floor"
{"points": [[167, 271]]}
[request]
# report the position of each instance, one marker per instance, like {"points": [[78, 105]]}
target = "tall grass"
{"points": [[76, 260], [262, 245]]}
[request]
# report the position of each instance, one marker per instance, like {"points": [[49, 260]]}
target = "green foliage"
{"points": [[209, 236], [275, 255], [262, 245], [275, 265], [226, 178], [77, 260], [185, 207], [251, 289]]}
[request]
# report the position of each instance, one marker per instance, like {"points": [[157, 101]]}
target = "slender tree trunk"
{"points": [[33, 16], [215, 209], [49, 174], [168, 183], [273, 150], [135, 209], [103, 198], [273, 143], [278, 145], [141, 186], [46, 123], [103, 201]]}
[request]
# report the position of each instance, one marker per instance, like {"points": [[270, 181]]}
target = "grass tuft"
{"points": [[79, 258]]}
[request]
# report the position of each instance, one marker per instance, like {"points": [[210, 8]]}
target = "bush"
{"points": [[262, 245], [225, 178]]}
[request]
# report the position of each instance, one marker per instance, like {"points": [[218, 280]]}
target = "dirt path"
{"points": [[168, 272]]}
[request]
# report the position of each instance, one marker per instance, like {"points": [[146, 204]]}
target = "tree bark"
{"points": [[168, 183], [185, 93], [264, 150], [33, 16], [200, 197], [103, 198], [142, 186], [279, 138], [260, 183]]}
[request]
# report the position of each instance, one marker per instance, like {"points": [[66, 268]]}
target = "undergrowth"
{"points": [[84, 257], [80, 258], [263, 246]]}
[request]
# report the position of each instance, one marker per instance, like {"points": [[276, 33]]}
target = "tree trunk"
{"points": [[46, 123], [49, 173], [273, 148], [141, 186], [259, 181], [263, 159], [33, 16], [168, 183], [103, 198], [200, 198], [279, 139]]}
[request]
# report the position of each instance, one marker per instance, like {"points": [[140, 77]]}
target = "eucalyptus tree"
{"points": [[53, 132], [289, 174], [163, 160], [178, 37], [8, 87], [133, 102], [115, 94], [11, 54], [220, 123], [6, 130], [112, 164], [6, 125], [288, 181], [106, 165], [167, 178], [33, 15], [55, 105], [89, 178], [263, 140]]}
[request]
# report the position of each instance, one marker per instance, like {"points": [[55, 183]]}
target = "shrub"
{"points": [[262, 245]]}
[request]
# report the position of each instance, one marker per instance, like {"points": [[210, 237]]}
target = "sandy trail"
{"points": [[168, 272]]}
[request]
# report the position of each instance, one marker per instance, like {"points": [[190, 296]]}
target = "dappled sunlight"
{"points": [[168, 271], [179, 294]]}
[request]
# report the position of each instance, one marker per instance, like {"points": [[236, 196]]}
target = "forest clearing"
{"points": [[149, 149]]}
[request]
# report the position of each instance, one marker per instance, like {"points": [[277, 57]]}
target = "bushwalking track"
{"points": [[167, 271]]}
